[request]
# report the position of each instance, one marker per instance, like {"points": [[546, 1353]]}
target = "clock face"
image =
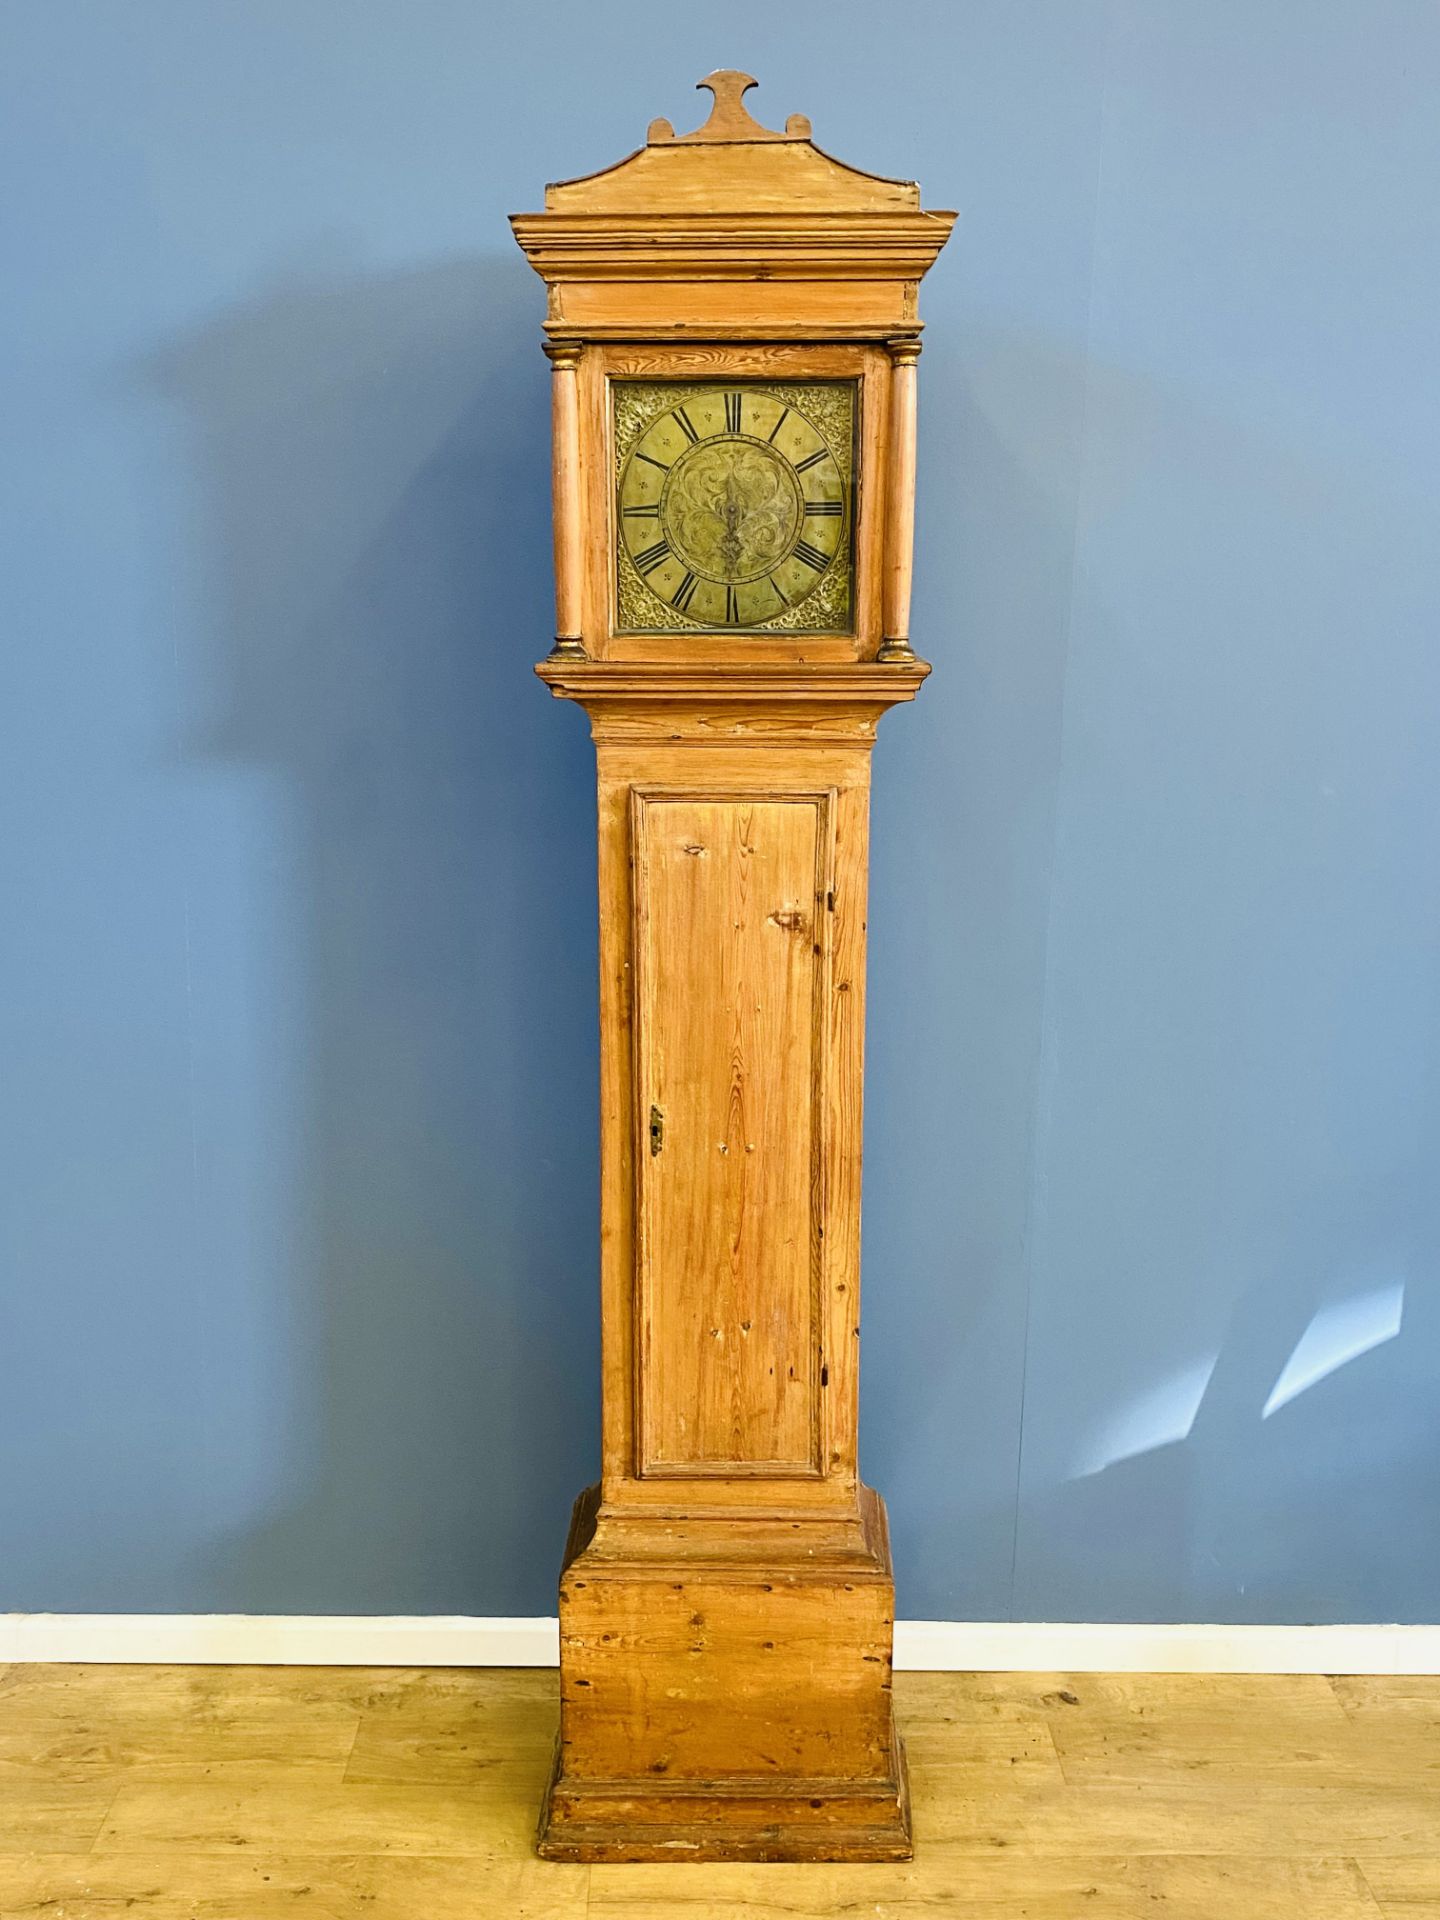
{"points": [[734, 506]]}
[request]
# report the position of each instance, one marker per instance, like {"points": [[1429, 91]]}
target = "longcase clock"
{"points": [[733, 335]]}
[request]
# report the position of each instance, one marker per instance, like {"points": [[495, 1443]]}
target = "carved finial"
{"points": [[730, 118]]}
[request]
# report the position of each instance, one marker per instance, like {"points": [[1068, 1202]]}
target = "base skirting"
{"points": [[744, 1819], [940, 1646]]}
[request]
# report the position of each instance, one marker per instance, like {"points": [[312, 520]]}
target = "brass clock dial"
{"points": [[734, 506]]}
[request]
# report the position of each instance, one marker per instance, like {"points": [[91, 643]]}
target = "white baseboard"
{"points": [[281, 1640], [943, 1646], [1087, 1646]]}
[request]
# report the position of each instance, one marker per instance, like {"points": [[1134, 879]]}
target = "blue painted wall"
{"points": [[297, 1176]]}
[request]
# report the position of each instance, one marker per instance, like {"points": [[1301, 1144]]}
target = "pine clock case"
{"points": [[726, 1599]]}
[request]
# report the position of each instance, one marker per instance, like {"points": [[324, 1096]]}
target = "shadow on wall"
{"points": [[370, 473], [371, 468]]}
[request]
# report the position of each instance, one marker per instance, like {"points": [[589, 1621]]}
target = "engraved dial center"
{"points": [[732, 509]]}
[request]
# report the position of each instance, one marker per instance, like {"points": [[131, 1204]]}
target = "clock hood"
{"points": [[714, 219]]}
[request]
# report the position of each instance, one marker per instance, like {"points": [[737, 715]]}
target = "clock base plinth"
{"points": [[727, 1699], [727, 1820]]}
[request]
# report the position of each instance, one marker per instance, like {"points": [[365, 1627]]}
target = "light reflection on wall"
{"points": [[1338, 1333], [1158, 1417]]}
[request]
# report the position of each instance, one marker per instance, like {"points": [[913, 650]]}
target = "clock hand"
{"points": [[730, 545]]}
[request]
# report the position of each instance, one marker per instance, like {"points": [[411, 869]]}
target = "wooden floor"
{"points": [[232, 1793]]}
